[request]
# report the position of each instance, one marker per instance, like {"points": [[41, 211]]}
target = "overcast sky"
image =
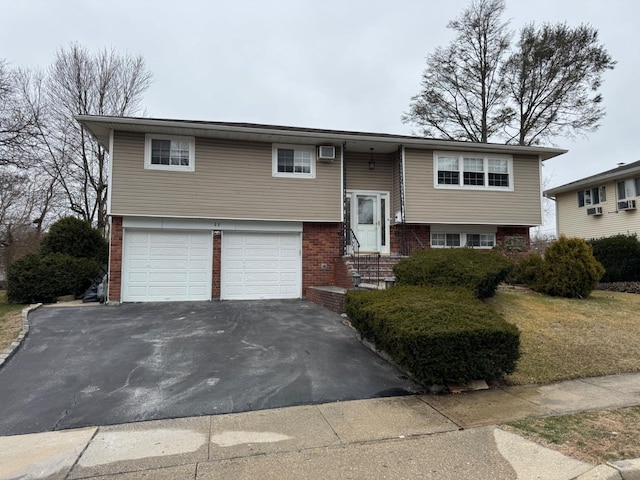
{"points": [[349, 65]]}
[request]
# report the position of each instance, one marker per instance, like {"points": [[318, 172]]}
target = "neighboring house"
{"points": [[601, 205], [203, 210]]}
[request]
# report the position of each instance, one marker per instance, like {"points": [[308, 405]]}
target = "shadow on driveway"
{"points": [[105, 365]]}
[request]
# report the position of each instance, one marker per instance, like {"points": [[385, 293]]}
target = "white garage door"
{"points": [[261, 265], [166, 266]]}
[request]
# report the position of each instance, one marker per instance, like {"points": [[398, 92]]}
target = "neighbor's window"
{"points": [[169, 153], [294, 161], [473, 171], [628, 188], [592, 196]]}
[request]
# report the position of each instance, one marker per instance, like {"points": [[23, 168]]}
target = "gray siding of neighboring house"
{"points": [[573, 220], [231, 180], [427, 204]]}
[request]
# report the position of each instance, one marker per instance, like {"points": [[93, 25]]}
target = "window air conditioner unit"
{"points": [[595, 211], [326, 153], [627, 205]]}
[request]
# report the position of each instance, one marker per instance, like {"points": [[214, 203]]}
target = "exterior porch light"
{"points": [[356, 279], [372, 162]]}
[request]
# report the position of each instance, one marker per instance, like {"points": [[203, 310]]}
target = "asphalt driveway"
{"points": [[105, 365]]}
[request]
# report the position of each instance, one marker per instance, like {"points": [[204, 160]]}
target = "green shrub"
{"points": [[42, 278], [568, 270], [479, 271], [528, 269], [620, 257], [439, 334], [76, 238]]}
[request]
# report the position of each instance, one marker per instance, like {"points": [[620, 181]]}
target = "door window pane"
{"points": [[365, 211]]}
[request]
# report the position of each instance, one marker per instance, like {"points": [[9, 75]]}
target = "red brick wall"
{"points": [[504, 232], [216, 267], [115, 260], [320, 248], [423, 232], [334, 301]]}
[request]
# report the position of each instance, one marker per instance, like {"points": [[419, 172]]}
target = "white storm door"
{"points": [[367, 222]]}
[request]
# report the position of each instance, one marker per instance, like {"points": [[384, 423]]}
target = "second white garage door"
{"points": [[261, 265]]}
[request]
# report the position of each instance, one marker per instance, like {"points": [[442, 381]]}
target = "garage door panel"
{"points": [[261, 265], [166, 266], [168, 277]]}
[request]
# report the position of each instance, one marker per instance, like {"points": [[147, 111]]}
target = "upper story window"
{"points": [[629, 188], [473, 171], [163, 152], [294, 161], [592, 196]]}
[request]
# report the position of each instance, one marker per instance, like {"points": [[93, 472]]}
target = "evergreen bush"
{"points": [[439, 334], [479, 271], [76, 238], [620, 257]]}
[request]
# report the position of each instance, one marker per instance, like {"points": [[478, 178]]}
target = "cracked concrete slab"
{"points": [[486, 407], [269, 431], [366, 420], [47, 455], [145, 445]]}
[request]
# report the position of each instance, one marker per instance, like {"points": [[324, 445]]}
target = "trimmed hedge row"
{"points": [[43, 278], [620, 257], [439, 334], [479, 271]]}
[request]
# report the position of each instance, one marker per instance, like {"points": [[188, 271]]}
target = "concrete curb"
{"points": [[620, 470], [11, 349]]}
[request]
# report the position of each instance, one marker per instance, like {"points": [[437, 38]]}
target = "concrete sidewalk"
{"points": [[411, 437]]}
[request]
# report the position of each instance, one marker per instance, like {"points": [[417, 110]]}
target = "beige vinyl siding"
{"points": [[427, 204], [573, 221], [231, 180], [359, 177]]}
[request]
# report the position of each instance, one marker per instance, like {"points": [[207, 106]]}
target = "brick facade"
{"points": [[320, 248], [422, 233], [331, 299], [115, 260], [503, 233], [216, 267]]}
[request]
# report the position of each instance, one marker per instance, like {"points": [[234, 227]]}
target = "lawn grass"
{"points": [[572, 338], [10, 321], [593, 437]]}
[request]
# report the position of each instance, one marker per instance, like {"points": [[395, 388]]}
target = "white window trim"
{"points": [[486, 158], [176, 168], [305, 148], [463, 239]]}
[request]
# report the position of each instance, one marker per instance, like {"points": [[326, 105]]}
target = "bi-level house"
{"points": [[201, 210], [600, 205]]}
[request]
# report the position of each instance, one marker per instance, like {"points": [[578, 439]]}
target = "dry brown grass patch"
{"points": [[593, 437], [572, 338]]}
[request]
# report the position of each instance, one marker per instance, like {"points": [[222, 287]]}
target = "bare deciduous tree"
{"points": [[553, 77], [462, 95], [81, 83], [477, 89]]}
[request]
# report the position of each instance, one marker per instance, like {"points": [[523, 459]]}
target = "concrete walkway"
{"points": [[411, 437]]}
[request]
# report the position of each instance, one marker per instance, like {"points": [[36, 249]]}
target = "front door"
{"points": [[369, 220]]}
